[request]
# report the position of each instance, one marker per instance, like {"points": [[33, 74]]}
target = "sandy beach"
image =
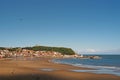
{"points": [[44, 69]]}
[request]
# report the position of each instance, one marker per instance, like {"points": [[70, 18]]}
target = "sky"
{"points": [[83, 25]]}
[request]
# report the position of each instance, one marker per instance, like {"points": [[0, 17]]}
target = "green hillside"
{"points": [[62, 50], [67, 51]]}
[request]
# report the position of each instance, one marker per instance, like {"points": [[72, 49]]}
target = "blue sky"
{"points": [[83, 25]]}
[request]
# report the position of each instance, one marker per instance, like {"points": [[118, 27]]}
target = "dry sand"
{"points": [[43, 69]]}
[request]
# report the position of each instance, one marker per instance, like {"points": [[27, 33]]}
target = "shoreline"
{"points": [[45, 69], [113, 70]]}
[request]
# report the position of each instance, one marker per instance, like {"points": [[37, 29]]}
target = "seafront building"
{"points": [[30, 53]]}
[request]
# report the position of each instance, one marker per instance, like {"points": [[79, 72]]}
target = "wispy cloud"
{"points": [[112, 50], [89, 50]]}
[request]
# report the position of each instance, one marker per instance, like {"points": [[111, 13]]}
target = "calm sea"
{"points": [[109, 64]]}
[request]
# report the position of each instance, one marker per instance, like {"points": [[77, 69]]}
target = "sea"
{"points": [[108, 64]]}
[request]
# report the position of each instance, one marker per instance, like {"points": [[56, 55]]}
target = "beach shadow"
{"points": [[31, 77]]}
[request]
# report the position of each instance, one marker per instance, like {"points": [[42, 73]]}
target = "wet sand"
{"points": [[43, 69]]}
